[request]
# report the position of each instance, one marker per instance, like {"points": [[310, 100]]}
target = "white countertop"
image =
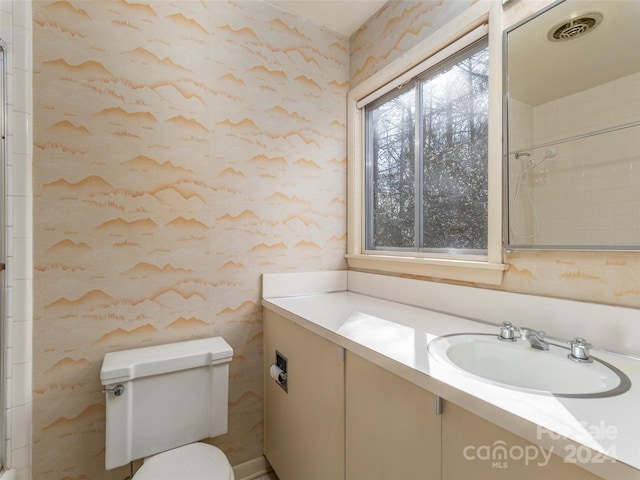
{"points": [[395, 336]]}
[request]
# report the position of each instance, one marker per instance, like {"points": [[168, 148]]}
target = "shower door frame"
{"points": [[3, 253]]}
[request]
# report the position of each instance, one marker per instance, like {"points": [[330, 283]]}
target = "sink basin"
{"points": [[516, 365]]}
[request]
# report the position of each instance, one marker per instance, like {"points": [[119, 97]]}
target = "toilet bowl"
{"points": [[196, 461], [161, 401]]}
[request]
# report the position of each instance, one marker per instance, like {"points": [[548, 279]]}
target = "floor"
{"points": [[269, 476]]}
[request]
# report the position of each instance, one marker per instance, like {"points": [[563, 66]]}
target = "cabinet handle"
{"points": [[437, 405]]}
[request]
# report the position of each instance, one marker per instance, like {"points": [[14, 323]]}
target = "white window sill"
{"points": [[474, 271]]}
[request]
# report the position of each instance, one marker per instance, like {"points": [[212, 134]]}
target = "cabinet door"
{"points": [[304, 427], [475, 448], [392, 430]]}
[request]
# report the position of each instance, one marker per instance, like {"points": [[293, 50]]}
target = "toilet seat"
{"points": [[196, 461]]}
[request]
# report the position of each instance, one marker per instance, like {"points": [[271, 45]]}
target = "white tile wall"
{"points": [[520, 119], [15, 30], [590, 189], [520, 125]]}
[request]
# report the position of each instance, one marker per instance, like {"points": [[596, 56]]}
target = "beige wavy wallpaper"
{"points": [[181, 149], [394, 29]]}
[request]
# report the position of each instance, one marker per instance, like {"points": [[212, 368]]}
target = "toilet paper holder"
{"points": [[278, 371]]}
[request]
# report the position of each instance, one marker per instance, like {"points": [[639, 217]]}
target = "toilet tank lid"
{"points": [[143, 362]]}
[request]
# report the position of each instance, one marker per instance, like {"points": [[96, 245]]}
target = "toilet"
{"points": [[161, 401]]}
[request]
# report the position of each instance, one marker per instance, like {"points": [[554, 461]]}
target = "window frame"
{"points": [[451, 38], [415, 87]]}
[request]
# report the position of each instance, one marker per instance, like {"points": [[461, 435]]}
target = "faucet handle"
{"points": [[507, 332], [580, 350]]}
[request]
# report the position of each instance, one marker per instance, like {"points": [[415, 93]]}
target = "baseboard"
{"points": [[251, 469]]}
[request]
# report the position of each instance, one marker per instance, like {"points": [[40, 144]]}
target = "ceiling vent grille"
{"points": [[575, 27]]}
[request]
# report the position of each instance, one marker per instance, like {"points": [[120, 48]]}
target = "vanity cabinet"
{"points": [[392, 430], [474, 448], [304, 426], [346, 418]]}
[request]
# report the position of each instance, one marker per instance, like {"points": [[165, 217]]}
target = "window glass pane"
{"points": [[392, 172], [454, 131], [435, 198]]}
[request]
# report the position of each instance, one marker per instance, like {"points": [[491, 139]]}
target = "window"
{"points": [[424, 158], [426, 150]]}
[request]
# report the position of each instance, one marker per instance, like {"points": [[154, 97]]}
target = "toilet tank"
{"points": [[173, 395]]}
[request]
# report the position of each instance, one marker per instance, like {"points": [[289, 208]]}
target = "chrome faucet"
{"points": [[535, 337], [579, 347]]}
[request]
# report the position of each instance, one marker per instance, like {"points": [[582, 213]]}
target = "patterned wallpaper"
{"points": [[394, 29], [181, 150]]}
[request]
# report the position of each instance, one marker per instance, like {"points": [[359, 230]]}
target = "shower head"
{"points": [[550, 152], [531, 161]]}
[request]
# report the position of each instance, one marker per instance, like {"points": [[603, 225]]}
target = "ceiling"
{"points": [[341, 16], [541, 70]]}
